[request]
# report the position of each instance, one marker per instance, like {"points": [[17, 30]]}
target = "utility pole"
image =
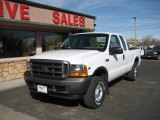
{"points": [[135, 28]]}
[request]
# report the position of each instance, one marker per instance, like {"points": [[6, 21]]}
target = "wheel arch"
{"points": [[101, 71], [136, 60]]}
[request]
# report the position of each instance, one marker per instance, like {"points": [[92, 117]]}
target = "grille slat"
{"points": [[49, 68]]}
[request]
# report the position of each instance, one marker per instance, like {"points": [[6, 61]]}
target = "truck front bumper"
{"points": [[70, 88]]}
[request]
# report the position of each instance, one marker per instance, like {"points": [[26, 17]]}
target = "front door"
{"points": [[116, 61]]}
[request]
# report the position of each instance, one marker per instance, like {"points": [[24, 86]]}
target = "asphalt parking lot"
{"points": [[139, 100]]}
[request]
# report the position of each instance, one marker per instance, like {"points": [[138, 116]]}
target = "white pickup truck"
{"points": [[82, 67]]}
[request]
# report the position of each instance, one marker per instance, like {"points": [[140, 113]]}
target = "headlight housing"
{"points": [[78, 71]]}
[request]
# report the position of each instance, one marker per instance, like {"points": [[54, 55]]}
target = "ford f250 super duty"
{"points": [[82, 67]]}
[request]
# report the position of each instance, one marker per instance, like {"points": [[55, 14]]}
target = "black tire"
{"points": [[96, 92], [133, 74]]}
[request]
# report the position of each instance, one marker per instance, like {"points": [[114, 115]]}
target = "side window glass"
{"points": [[123, 42], [114, 42]]}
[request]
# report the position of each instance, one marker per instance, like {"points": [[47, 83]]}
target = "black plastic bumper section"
{"points": [[70, 88]]}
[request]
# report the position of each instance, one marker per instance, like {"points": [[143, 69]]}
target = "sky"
{"points": [[117, 15]]}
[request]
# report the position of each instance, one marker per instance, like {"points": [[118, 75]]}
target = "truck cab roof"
{"points": [[109, 33]]}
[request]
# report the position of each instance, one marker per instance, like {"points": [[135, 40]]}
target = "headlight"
{"points": [[78, 71]]}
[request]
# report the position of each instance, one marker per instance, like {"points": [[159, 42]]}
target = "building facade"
{"points": [[28, 28], [132, 43]]}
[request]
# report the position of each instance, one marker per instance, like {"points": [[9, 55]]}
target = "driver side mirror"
{"points": [[115, 50]]}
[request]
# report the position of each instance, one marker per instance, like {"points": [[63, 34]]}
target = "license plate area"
{"points": [[42, 89]]}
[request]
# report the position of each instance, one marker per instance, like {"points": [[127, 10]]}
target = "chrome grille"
{"points": [[49, 68]]}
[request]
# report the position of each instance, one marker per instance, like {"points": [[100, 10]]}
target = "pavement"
{"points": [[128, 100], [13, 115], [9, 85], [6, 85]]}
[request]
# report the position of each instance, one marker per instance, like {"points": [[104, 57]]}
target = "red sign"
{"points": [[12, 10], [1, 9], [65, 19], [58, 18]]}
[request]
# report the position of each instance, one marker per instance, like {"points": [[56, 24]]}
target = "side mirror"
{"points": [[115, 50]]}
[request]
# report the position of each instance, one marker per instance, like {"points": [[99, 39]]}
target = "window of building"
{"points": [[51, 41], [16, 43]]}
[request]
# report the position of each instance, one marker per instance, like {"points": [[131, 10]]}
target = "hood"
{"points": [[73, 56]]}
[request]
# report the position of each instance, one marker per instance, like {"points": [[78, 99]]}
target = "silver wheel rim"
{"points": [[99, 93], [135, 71]]}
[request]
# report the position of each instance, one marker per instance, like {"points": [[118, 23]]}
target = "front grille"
{"points": [[49, 68]]}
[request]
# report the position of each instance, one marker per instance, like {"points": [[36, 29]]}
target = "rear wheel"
{"points": [[96, 92], [133, 74]]}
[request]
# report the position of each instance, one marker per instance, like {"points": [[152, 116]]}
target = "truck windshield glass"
{"points": [[86, 41]]}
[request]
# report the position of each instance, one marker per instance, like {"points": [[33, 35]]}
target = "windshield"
{"points": [[86, 41]]}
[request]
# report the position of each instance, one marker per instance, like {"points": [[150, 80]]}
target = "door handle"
{"points": [[123, 57], [107, 60]]}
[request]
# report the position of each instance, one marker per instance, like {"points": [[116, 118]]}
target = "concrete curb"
{"points": [[12, 84]]}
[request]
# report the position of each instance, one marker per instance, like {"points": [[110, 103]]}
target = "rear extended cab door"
{"points": [[117, 62], [126, 54]]}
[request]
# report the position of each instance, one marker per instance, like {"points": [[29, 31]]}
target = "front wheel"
{"points": [[133, 74], [96, 92]]}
